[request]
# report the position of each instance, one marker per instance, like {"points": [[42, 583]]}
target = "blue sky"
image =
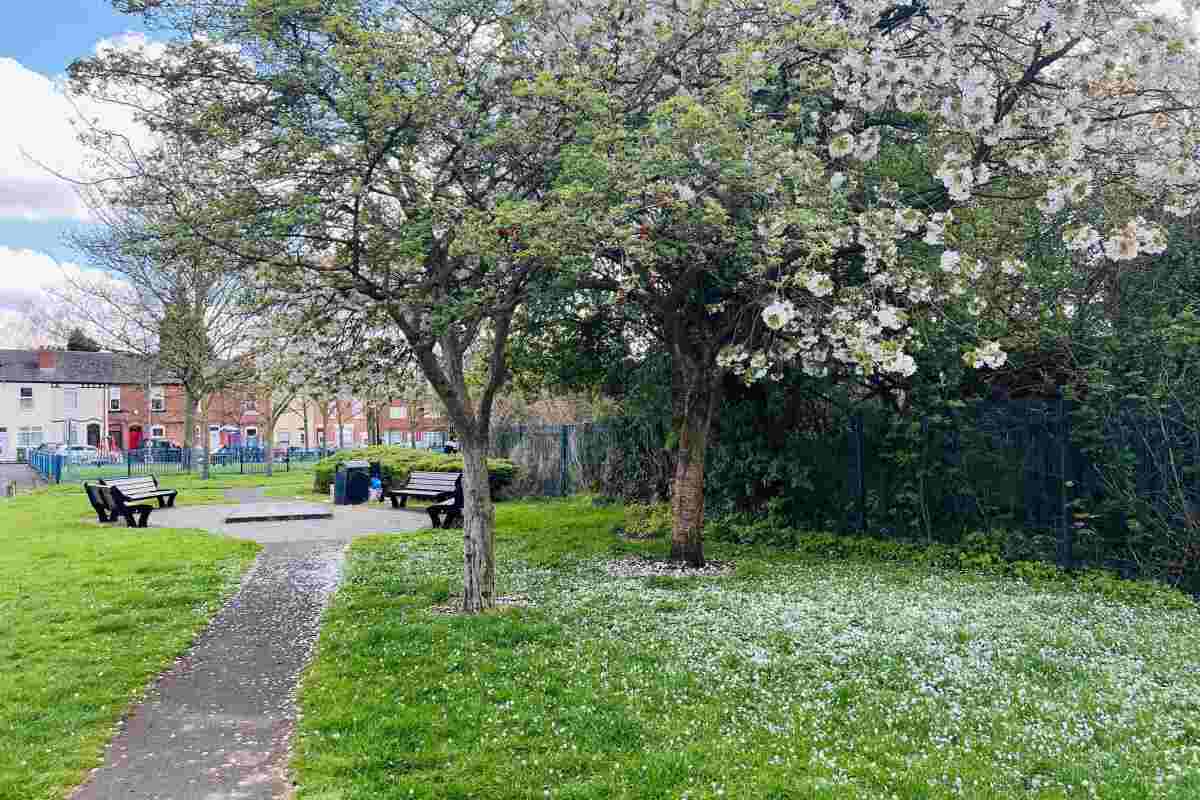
{"points": [[48, 35], [38, 40]]}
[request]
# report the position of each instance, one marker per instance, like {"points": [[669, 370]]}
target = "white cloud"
{"points": [[38, 137], [27, 279], [25, 274]]}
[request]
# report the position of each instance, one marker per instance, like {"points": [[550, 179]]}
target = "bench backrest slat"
{"points": [[133, 484], [437, 482]]}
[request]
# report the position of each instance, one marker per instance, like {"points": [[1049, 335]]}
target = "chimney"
{"points": [[45, 360]]}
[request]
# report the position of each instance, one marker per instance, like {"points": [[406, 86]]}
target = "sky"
{"points": [[38, 40]]}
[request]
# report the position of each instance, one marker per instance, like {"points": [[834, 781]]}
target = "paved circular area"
{"points": [[347, 523]]}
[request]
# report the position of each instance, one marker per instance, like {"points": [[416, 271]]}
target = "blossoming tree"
{"points": [[723, 169], [740, 188]]}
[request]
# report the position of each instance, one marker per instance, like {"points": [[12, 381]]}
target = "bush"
{"points": [[647, 520], [397, 463]]}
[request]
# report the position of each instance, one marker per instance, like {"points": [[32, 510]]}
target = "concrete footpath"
{"points": [[218, 724]]}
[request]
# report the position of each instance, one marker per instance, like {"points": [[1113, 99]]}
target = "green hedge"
{"points": [[398, 462]]}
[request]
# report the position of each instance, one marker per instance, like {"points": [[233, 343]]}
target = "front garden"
{"points": [[795, 675]]}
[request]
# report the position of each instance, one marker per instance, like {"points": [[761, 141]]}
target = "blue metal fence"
{"points": [[55, 468]]}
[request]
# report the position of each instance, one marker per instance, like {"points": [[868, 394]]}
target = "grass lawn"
{"points": [[193, 490], [787, 679], [88, 616]]}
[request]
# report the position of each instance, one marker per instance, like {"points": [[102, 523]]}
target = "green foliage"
{"points": [[647, 520], [397, 463], [979, 551]]}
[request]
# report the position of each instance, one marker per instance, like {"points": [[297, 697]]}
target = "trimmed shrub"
{"points": [[397, 463]]}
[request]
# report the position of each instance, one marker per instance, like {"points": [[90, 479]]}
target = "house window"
{"points": [[157, 401], [284, 438], [250, 405], [29, 436], [301, 438], [70, 399], [27, 398], [55, 385], [114, 398], [251, 433], [158, 431], [396, 412]]}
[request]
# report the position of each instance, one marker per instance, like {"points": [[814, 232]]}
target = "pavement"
{"points": [[218, 724]]}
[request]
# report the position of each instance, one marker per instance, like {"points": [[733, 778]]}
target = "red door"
{"points": [[135, 437]]}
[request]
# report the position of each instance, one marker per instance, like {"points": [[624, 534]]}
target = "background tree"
{"points": [[81, 342]]}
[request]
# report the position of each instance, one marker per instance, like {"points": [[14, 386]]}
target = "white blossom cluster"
{"points": [[1117, 105]]}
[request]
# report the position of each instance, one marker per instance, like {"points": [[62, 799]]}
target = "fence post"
{"points": [[57, 468], [564, 450], [129, 463], [1066, 531], [858, 517]]}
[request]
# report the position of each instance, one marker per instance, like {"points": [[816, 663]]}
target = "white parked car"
{"points": [[82, 454]]}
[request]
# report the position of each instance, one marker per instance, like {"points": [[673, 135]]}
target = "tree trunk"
{"points": [[207, 438], [687, 487], [189, 421], [269, 442], [479, 527]]}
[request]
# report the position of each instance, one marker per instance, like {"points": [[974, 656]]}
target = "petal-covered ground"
{"points": [[788, 679]]}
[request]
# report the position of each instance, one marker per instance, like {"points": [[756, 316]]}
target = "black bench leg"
{"points": [[162, 502], [395, 502], [454, 519], [130, 522], [102, 515], [433, 516], [403, 501], [143, 515]]}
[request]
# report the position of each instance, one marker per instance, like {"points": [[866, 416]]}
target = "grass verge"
{"points": [[88, 615], [792, 678]]}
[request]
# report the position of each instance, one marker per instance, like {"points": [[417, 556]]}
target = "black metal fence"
{"points": [[1017, 465]]}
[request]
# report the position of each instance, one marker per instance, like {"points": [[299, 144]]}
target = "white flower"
{"points": [[685, 192], [867, 145], [935, 229], [909, 220], [1081, 239], [989, 354], [841, 145], [901, 363], [837, 181], [818, 284], [1012, 267], [951, 259], [890, 317], [778, 314]]}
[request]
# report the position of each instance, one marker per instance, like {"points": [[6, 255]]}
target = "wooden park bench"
{"points": [[144, 487], [443, 488], [111, 504]]}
